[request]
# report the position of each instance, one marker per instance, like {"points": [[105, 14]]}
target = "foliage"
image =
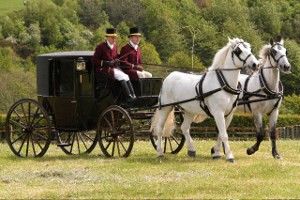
{"points": [[172, 30], [182, 60], [246, 120], [19, 84], [291, 81], [290, 105]]}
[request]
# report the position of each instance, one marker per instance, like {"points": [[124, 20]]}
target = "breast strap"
{"points": [[224, 86]]}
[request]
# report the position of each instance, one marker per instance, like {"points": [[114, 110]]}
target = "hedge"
{"points": [[239, 120], [246, 120]]}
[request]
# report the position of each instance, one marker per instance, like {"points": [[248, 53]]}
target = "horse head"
{"points": [[278, 56], [243, 52]]}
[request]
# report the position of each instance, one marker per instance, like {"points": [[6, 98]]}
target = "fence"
{"points": [[234, 133], [289, 132]]}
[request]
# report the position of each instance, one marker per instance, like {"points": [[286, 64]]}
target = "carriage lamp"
{"points": [[80, 66]]}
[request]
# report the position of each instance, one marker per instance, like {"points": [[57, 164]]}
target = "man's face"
{"points": [[111, 40], [135, 39]]}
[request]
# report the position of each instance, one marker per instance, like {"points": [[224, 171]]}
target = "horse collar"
{"points": [[265, 87]]}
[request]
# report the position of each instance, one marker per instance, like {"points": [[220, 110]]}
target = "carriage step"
{"points": [[64, 144]]}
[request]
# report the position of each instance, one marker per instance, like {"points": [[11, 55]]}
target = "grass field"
{"points": [[7, 6], [143, 175]]}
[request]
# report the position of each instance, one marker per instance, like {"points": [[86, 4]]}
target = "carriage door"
{"points": [[65, 101]]}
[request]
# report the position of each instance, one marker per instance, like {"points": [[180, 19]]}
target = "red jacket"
{"points": [[129, 57], [104, 53]]}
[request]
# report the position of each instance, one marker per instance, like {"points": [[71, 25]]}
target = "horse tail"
{"points": [[169, 125]]}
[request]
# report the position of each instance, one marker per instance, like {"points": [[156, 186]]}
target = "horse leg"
{"points": [[185, 128], [162, 115], [216, 150], [221, 124], [260, 134], [272, 123]]}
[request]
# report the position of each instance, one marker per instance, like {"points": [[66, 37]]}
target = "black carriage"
{"points": [[78, 108]]}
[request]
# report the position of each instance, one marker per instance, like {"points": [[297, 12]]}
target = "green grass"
{"points": [[143, 175], [7, 6]]}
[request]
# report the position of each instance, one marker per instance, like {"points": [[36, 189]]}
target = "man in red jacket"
{"points": [[130, 57], [106, 62]]}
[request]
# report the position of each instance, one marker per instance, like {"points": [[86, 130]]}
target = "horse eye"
{"points": [[286, 52], [237, 51], [273, 52]]}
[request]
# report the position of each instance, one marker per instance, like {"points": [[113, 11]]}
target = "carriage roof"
{"points": [[67, 54]]}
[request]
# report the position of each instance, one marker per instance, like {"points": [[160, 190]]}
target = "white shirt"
{"points": [[111, 46], [135, 46]]}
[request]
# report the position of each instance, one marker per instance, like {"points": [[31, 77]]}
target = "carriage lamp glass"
{"points": [[80, 65]]}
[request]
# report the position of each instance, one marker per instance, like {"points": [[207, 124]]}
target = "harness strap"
{"points": [[269, 94], [224, 86]]}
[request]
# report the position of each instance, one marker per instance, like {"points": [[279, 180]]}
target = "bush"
{"points": [[290, 105]]}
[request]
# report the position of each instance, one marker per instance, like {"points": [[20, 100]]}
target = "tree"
{"points": [[267, 26], [129, 11], [91, 13], [184, 61], [291, 81], [162, 28]]}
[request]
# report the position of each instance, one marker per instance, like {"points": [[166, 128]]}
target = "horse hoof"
{"points": [[279, 157], [250, 151], [231, 160], [161, 156], [192, 153], [216, 157], [212, 151]]}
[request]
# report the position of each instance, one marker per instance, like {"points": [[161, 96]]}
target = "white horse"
{"points": [[263, 92], [211, 94]]}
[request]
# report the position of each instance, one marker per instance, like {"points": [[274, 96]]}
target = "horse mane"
{"points": [[219, 59], [264, 52]]}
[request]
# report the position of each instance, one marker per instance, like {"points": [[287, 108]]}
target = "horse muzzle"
{"points": [[253, 66], [286, 68]]}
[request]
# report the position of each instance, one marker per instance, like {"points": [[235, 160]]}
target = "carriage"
{"points": [[79, 108]]}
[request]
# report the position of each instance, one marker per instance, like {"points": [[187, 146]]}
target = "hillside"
{"points": [[7, 6]]}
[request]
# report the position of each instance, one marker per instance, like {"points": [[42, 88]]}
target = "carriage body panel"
{"points": [[71, 95]]}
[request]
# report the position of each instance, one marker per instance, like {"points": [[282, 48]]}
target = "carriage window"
{"points": [[64, 78], [86, 81]]}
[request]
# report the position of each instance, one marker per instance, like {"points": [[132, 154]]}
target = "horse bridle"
{"points": [[273, 53], [237, 52]]}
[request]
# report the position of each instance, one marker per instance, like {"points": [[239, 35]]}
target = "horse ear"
{"points": [[231, 41], [271, 41], [281, 41]]}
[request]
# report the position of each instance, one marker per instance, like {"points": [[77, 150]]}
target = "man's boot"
{"points": [[131, 89], [126, 91]]}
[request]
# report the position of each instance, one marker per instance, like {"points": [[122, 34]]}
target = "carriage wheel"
{"points": [[28, 129], [73, 143], [115, 132], [175, 142]]}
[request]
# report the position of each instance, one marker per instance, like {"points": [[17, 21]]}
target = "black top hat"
{"points": [[134, 32], [111, 32]]}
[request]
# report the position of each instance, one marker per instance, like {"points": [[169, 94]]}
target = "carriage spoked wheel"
{"points": [[28, 129], [115, 132], [174, 143], [74, 143]]}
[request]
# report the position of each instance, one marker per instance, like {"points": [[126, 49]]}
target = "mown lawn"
{"points": [[143, 175], [7, 6]]}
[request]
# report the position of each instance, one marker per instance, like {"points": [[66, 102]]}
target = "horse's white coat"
{"points": [[181, 86], [271, 71]]}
